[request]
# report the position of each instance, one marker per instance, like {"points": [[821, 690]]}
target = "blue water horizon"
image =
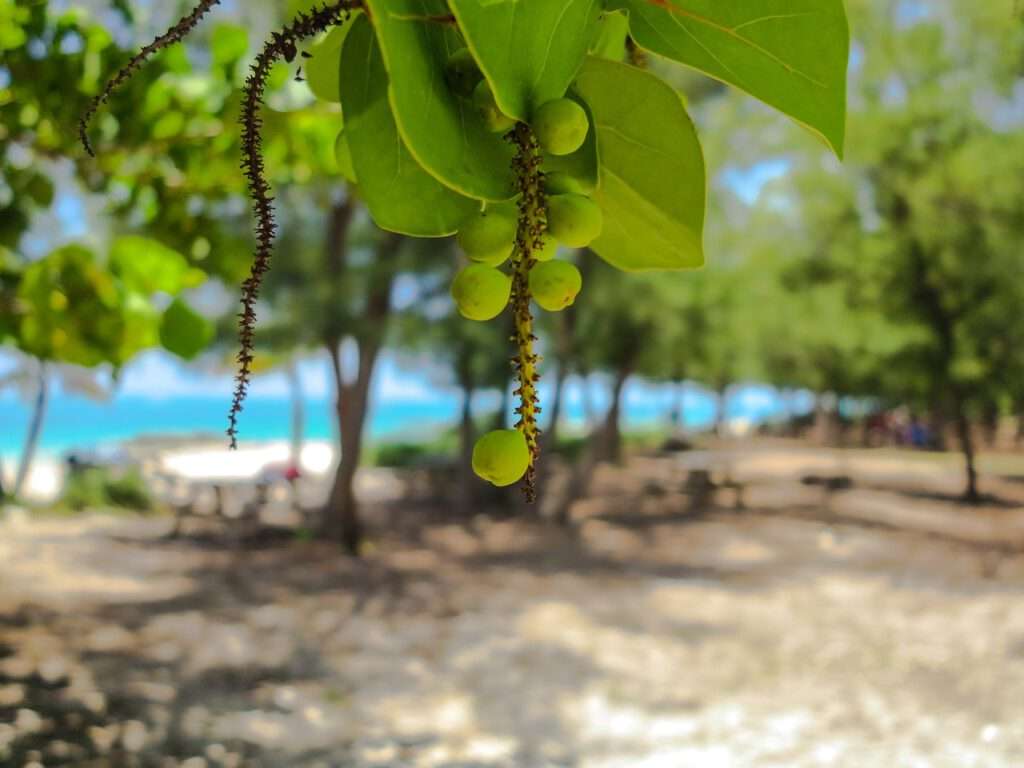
{"points": [[74, 421]]}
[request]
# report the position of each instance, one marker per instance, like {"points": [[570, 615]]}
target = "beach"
{"points": [[791, 626]]}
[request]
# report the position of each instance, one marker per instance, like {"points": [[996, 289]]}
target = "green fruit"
{"points": [[555, 284], [574, 220], [481, 292], [497, 121], [560, 183], [501, 457], [489, 237], [548, 251], [561, 126], [343, 157], [462, 72]]}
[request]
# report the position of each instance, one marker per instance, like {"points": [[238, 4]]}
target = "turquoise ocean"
{"points": [[77, 422]]}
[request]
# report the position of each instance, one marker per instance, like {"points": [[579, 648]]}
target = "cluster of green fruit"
{"points": [[482, 290]]}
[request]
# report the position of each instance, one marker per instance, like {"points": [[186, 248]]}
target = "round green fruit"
{"points": [[574, 220], [481, 292], [555, 284], [497, 121], [501, 457], [462, 72], [561, 126], [560, 183], [489, 236]]}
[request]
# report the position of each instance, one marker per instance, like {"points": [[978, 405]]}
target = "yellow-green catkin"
{"points": [[529, 240]]}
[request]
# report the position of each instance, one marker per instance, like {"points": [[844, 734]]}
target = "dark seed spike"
{"points": [[279, 46], [173, 35]]}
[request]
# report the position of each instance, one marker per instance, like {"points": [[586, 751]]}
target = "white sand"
{"points": [[201, 462], [205, 463]]}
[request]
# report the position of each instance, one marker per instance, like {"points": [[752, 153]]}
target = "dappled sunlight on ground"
{"points": [[791, 631]]}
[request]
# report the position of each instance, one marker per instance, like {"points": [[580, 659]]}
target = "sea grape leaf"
{"points": [[610, 35], [184, 331], [228, 43], [652, 184], [582, 164], [147, 266], [401, 196], [444, 132], [790, 54], [141, 321], [529, 50], [74, 308], [322, 66]]}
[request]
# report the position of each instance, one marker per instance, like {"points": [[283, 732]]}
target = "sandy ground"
{"points": [[880, 625]]}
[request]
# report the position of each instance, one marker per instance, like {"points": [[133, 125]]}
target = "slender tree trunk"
{"points": [[341, 521], [678, 413], [549, 438], [467, 435], [35, 429], [603, 444], [990, 421], [501, 415], [298, 415], [963, 430], [587, 400], [551, 432], [611, 434], [937, 424], [721, 413], [819, 428]]}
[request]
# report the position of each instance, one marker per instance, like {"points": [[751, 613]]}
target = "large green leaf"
{"points": [[652, 184], [445, 133], [322, 66], [529, 50], [791, 54], [228, 43], [73, 309], [610, 36], [184, 331], [401, 196], [146, 265]]}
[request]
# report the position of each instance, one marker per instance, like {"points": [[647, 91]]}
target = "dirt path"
{"points": [[783, 634]]}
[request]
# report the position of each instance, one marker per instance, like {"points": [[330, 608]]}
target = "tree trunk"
{"points": [[990, 421], [35, 429], [341, 520], [298, 415], [677, 415], [611, 434], [721, 413], [963, 429], [467, 435], [501, 415], [550, 438], [937, 424], [590, 419], [819, 427]]}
